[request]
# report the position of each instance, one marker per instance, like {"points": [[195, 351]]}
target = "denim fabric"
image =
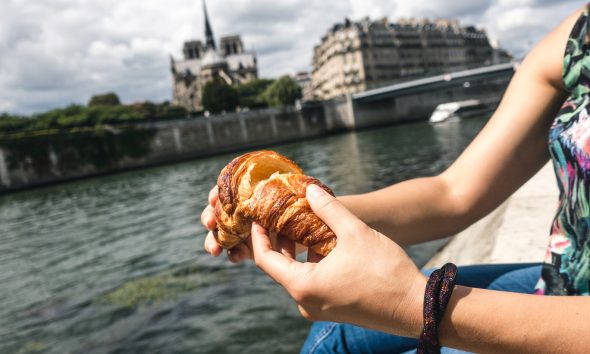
{"points": [[330, 337]]}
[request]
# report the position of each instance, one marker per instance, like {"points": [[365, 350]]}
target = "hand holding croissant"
{"points": [[268, 188]]}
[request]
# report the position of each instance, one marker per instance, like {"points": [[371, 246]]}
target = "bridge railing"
{"points": [[435, 82]]}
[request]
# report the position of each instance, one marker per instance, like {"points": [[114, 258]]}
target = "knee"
{"points": [[322, 338]]}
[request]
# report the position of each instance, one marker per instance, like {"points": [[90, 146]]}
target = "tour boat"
{"points": [[453, 111]]}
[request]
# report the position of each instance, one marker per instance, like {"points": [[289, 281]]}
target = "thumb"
{"points": [[278, 266], [331, 211]]}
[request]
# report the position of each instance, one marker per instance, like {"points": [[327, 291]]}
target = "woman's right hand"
{"points": [[238, 253]]}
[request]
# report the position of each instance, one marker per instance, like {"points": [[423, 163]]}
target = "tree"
{"points": [[282, 92], [103, 109], [250, 93], [219, 96], [105, 99], [13, 123], [146, 109]]}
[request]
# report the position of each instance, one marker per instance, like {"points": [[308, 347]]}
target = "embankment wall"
{"points": [[44, 159]]}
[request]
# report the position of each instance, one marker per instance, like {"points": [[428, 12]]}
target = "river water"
{"points": [[115, 264]]}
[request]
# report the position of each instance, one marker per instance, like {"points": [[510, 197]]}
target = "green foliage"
{"points": [[93, 116], [114, 114], [152, 111], [79, 116], [13, 124], [219, 96], [250, 93], [282, 92], [106, 99], [173, 112]]}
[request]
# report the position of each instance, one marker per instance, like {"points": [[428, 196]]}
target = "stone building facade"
{"points": [[303, 79], [204, 62], [356, 56]]}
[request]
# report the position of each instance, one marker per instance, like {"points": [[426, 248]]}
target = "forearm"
{"points": [[486, 321], [410, 212], [509, 150]]}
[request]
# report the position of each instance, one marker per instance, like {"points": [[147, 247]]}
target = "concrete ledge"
{"points": [[517, 231]]}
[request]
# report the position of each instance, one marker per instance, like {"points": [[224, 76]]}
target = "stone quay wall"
{"points": [[45, 159]]}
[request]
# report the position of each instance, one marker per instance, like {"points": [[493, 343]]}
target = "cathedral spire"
{"points": [[208, 31], [172, 64]]}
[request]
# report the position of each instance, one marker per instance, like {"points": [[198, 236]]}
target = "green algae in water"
{"points": [[146, 291], [32, 348], [160, 288]]}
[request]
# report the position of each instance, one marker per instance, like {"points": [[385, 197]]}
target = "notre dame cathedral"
{"points": [[205, 62]]}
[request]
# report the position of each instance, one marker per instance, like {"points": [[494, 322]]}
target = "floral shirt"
{"points": [[566, 270]]}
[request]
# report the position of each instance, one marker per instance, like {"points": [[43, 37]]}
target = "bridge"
{"points": [[415, 100], [436, 82]]}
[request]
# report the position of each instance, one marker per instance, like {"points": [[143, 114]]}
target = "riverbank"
{"points": [[517, 231], [58, 156]]}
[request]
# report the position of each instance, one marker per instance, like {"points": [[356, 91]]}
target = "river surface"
{"points": [[115, 264]]}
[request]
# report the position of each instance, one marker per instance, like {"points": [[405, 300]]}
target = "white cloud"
{"points": [[56, 52]]}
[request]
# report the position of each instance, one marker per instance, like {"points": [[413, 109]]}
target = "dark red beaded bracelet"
{"points": [[436, 298]]}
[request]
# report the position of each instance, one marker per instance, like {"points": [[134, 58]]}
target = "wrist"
{"points": [[408, 313], [437, 295]]}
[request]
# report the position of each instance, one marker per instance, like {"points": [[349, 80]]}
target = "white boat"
{"points": [[452, 111]]}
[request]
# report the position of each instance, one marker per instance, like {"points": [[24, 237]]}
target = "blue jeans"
{"points": [[330, 337]]}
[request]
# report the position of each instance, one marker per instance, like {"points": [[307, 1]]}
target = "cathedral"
{"points": [[204, 62]]}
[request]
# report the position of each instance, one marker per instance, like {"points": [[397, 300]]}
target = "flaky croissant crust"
{"points": [[268, 188]]}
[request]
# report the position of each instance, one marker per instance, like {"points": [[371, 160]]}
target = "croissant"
{"points": [[268, 188]]}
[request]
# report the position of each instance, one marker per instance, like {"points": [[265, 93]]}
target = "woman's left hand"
{"points": [[367, 279]]}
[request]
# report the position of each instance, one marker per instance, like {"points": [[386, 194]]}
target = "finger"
{"points": [[248, 243], [313, 256], [213, 195], [331, 211], [286, 246], [238, 253], [244, 251], [272, 236], [304, 312], [282, 269], [208, 218], [211, 245]]}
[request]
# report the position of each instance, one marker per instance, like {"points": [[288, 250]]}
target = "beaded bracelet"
{"points": [[436, 298]]}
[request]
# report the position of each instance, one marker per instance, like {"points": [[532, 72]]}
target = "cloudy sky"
{"points": [[56, 52]]}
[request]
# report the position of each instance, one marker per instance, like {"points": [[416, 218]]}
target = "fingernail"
{"points": [[314, 191], [256, 227]]}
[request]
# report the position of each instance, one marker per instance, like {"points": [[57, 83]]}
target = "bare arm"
{"points": [[369, 281], [516, 323], [510, 149]]}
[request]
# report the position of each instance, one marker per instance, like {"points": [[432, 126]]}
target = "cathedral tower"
{"points": [[203, 62]]}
